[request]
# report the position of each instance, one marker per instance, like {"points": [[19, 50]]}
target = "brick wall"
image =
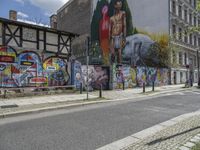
{"points": [[75, 17]]}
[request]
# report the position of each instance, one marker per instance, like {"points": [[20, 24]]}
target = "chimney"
{"points": [[13, 15], [53, 21]]}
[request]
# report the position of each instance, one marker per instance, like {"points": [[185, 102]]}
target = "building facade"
{"points": [[32, 55], [183, 17], [173, 18]]}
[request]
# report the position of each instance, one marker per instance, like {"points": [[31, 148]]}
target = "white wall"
{"points": [[151, 15]]}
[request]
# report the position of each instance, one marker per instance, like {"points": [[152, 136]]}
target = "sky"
{"points": [[31, 11]]}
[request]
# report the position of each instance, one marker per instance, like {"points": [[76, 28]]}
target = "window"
{"points": [[180, 34], [191, 39], [198, 22], [195, 40], [180, 58], [174, 30], [186, 15], [195, 3], [195, 61], [190, 2], [174, 56], [185, 58], [180, 11], [186, 37], [198, 41], [195, 21], [190, 19], [174, 7]]}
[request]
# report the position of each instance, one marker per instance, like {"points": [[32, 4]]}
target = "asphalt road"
{"points": [[91, 127]]}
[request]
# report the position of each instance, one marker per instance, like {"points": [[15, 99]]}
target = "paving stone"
{"points": [[184, 148], [197, 137], [172, 137], [195, 140], [189, 144]]}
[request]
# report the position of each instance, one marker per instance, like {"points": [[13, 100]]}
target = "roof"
{"points": [[35, 26], [64, 6]]}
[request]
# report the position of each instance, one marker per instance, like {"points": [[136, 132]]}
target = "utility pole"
{"points": [[87, 54]]}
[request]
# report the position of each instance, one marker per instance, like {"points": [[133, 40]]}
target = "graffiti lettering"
{"points": [[7, 59], [38, 80], [27, 63]]}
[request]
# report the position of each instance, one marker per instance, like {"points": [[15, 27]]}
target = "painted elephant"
{"points": [[139, 50]]}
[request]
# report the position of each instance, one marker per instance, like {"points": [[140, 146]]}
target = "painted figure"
{"points": [[104, 34], [117, 32]]}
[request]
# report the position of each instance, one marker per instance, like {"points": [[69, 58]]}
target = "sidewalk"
{"points": [[180, 133], [138, 92], [13, 106]]}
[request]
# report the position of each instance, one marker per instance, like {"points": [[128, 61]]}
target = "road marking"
{"points": [[195, 92]]}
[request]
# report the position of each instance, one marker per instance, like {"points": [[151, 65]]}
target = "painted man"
{"points": [[117, 32]]}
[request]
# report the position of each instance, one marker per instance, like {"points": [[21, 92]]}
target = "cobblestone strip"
{"points": [[189, 145], [172, 137]]}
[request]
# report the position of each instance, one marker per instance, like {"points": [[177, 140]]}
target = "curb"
{"points": [[137, 137], [37, 110]]}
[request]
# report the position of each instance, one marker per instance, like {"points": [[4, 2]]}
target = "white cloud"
{"points": [[20, 1], [21, 14], [32, 22], [50, 6]]}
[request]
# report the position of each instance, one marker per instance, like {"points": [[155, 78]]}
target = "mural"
{"points": [[24, 68], [133, 77], [117, 41], [111, 20], [98, 76]]}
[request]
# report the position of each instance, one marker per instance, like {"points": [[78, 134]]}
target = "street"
{"points": [[93, 126]]}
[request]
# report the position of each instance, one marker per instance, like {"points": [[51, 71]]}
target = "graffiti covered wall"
{"points": [[133, 77], [98, 76], [23, 68]]}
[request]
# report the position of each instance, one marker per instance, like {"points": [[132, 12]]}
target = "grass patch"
{"points": [[197, 147]]}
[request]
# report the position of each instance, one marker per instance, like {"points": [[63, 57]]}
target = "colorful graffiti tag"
{"points": [[98, 76], [22, 68]]}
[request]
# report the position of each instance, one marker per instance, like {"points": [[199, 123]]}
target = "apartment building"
{"points": [[183, 17]]}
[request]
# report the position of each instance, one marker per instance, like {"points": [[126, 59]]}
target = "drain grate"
{"points": [[9, 106]]}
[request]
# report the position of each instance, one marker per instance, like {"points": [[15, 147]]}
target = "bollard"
{"points": [[153, 86], [5, 93], [123, 85], [143, 87], [100, 91], [81, 88]]}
